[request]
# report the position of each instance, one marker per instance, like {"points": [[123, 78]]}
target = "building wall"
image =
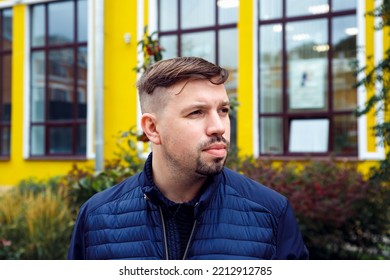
{"points": [[120, 107], [375, 45], [123, 18]]}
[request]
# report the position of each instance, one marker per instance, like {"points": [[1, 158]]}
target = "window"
{"points": [[58, 78], [307, 97], [5, 75], [202, 28]]}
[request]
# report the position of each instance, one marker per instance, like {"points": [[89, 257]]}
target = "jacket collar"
{"points": [[200, 202]]}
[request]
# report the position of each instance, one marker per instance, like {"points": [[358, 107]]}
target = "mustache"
{"points": [[215, 139]]}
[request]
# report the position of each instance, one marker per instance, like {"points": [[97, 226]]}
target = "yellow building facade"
{"points": [[72, 80]]}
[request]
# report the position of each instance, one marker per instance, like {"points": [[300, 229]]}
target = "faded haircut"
{"points": [[166, 73]]}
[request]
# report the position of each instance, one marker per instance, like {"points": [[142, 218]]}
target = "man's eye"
{"points": [[225, 110], [197, 112]]}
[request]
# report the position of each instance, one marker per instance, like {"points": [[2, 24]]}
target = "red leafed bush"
{"points": [[341, 214]]}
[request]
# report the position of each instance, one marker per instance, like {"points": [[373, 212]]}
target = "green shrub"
{"points": [[82, 183], [34, 224]]}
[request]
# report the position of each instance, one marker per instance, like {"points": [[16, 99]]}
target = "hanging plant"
{"points": [[151, 50]]}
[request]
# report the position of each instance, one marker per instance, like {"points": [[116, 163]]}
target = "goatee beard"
{"points": [[205, 169]]}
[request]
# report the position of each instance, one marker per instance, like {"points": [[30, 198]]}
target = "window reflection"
{"points": [[296, 57], [271, 136], [37, 87], [59, 13], [345, 134], [6, 89], [82, 27], [58, 88], [201, 44], [82, 139], [338, 5], [5, 141], [270, 68], [7, 29], [197, 13], [344, 55], [5, 81], [60, 140], [168, 15], [38, 25], [307, 47], [227, 11], [306, 7], [37, 140], [270, 9], [170, 46], [61, 82], [82, 83]]}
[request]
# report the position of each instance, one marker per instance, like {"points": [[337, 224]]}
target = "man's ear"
{"points": [[149, 126]]}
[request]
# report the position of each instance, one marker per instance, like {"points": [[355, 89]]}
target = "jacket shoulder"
{"points": [[116, 192], [256, 192]]}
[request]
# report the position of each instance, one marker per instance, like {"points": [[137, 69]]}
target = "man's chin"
{"points": [[211, 168]]}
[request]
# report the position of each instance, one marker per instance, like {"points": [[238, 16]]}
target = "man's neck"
{"points": [[176, 187]]}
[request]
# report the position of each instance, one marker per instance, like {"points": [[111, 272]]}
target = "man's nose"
{"points": [[215, 125]]}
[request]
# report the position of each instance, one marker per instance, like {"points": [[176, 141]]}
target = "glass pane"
{"points": [[37, 140], [61, 84], [307, 7], [270, 68], [6, 89], [201, 44], [271, 139], [270, 9], [82, 20], [60, 140], [168, 15], [38, 25], [59, 14], [82, 139], [345, 135], [37, 87], [5, 141], [307, 49], [197, 13], [227, 11], [338, 5], [309, 136], [228, 57], [169, 43], [344, 31], [82, 84], [7, 29]]}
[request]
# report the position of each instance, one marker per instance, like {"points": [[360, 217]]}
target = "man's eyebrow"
{"points": [[225, 103], [197, 105], [201, 105]]}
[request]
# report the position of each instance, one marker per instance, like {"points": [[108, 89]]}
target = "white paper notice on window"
{"points": [[307, 80], [309, 136]]}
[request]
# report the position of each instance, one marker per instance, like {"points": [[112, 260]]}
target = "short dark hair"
{"points": [[166, 73]]}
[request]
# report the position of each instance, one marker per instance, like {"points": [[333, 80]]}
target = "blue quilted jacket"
{"points": [[235, 218]]}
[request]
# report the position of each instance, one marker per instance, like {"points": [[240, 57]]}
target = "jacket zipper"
{"points": [[189, 241], [164, 233], [165, 236]]}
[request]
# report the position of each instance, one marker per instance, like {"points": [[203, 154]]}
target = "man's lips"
{"points": [[218, 150]]}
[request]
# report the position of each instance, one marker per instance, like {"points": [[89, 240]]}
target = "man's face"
{"points": [[194, 127]]}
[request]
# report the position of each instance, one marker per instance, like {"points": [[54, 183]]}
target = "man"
{"points": [[185, 204]]}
